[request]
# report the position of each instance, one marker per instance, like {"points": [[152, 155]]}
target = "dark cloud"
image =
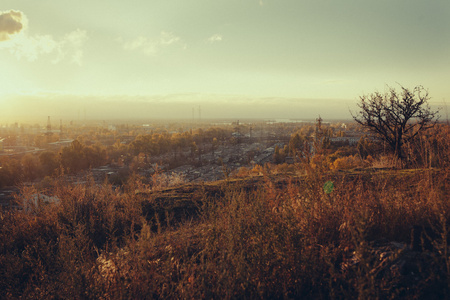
{"points": [[11, 22]]}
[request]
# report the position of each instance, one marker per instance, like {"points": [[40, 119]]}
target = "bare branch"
{"points": [[396, 117]]}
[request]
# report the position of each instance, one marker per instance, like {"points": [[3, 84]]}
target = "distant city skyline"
{"points": [[174, 107], [255, 59]]}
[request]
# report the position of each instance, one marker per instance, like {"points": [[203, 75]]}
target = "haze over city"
{"points": [[229, 59]]}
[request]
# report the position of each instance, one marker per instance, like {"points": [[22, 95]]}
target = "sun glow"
{"points": [[283, 50]]}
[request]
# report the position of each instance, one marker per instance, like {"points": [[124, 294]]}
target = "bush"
{"points": [[347, 162]]}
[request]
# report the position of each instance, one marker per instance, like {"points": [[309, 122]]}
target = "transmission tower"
{"points": [[49, 127]]}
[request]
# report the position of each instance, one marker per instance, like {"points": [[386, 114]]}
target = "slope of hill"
{"points": [[377, 234]]}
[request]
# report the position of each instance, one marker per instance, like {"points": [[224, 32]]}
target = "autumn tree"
{"points": [[72, 157], [396, 117], [30, 166], [278, 157], [49, 162], [298, 145]]}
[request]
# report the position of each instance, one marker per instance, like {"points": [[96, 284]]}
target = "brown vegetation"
{"points": [[269, 232], [265, 237]]}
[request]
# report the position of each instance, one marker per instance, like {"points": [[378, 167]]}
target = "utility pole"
{"points": [[49, 126], [60, 129]]}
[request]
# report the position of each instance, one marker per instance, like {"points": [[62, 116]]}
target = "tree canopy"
{"points": [[396, 117]]}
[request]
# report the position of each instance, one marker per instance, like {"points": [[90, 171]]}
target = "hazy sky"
{"points": [[235, 58]]}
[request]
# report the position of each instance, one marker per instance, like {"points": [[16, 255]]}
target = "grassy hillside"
{"points": [[378, 234]]}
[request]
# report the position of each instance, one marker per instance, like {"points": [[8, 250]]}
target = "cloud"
{"points": [[14, 38], [68, 48], [215, 38], [71, 47], [153, 46], [31, 48], [11, 23], [168, 38]]}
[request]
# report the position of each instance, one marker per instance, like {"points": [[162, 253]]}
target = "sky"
{"points": [[108, 59]]}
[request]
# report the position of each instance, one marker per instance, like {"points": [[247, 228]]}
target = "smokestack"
{"points": [[49, 125]]}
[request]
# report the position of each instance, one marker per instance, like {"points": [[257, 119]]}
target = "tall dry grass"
{"points": [[277, 240]]}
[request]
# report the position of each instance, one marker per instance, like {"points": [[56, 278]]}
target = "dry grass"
{"points": [[257, 238]]}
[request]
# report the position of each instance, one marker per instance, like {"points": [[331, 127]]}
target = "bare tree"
{"points": [[396, 117]]}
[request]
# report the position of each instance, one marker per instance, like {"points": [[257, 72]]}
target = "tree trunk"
{"points": [[398, 144]]}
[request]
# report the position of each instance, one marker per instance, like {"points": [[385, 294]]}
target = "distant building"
{"points": [[345, 139], [62, 143], [37, 201]]}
